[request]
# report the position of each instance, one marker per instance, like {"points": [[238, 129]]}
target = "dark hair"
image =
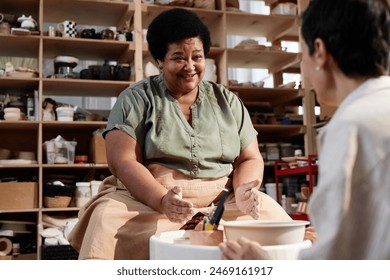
{"points": [[173, 26], [355, 32]]}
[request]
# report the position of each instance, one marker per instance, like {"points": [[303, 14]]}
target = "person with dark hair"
{"points": [[345, 56], [174, 142]]}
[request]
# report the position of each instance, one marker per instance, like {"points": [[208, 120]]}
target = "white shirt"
{"points": [[350, 207]]}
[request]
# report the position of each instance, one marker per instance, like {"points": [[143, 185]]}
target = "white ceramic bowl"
{"points": [[266, 232], [26, 155], [11, 116], [175, 245], [65, 113], [12, 110]]}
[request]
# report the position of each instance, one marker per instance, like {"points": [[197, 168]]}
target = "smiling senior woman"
{"points": [[173, 142]]}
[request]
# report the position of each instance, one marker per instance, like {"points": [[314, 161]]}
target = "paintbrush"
{"points": [[217, 215]]}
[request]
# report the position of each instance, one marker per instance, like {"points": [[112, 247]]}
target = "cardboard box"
{"points": [[18, 195], [98, 149]]}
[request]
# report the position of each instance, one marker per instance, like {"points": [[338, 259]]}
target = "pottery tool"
{"points": [[217, 215]]}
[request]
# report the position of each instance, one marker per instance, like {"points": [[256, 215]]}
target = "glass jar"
{"points": [[82, 193], [286, 150], [272, 150]]}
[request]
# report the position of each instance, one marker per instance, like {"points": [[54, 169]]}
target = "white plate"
{"points": [[19, 74], [17, 227], [66, 59], [20, 31], [17, 161]]}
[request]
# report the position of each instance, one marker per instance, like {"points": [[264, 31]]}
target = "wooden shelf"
{"points": [[88, 12], [88, 49], [283, 131], [75, 166], [268, 96], [79, 87], [273, 60], [272, 27], [35, 210], [209, 17], [10, 45], [11, 83]]}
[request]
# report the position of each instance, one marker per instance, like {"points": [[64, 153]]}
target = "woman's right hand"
{"points": [[176, 209]]}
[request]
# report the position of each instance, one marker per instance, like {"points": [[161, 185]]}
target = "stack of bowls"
{"points": [[12, 114]]}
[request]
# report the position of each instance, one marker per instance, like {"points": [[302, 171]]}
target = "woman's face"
{"points": [[184, 66]]}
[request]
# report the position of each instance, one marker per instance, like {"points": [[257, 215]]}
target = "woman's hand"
{"points": [[248, 198], [310, 234], [243, 249], [176, 209]]}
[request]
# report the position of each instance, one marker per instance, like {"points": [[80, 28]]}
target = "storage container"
{"points": [[18, 195], [59, 151], [272, 151]]}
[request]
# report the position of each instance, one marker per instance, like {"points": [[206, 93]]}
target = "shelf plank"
{"points": [[272, 27], [283, 131], [151, 11], [88, 49], [19, 126], [269, 96], [88, 12], [78, 87], [76, 166], [12, 83], [10, 45], [22, 166], [73, 125], [62, 209], [19, 210], [263, 59]]}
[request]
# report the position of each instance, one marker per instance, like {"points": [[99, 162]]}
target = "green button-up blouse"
{"points": [[221, 127]]}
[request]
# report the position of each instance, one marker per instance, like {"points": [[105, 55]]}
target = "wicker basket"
{"points": [[56, 201], [59, 252]]}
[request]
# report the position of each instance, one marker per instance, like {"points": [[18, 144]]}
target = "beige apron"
{"points": [[113, 225]]}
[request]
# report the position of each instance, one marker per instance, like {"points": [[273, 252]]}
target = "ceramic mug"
{"points": [[68, 28], [5, 28], [108, 34]]}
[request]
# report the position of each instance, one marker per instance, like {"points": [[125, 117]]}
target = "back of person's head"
{"points": [[355, 32], [172, 26]]}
